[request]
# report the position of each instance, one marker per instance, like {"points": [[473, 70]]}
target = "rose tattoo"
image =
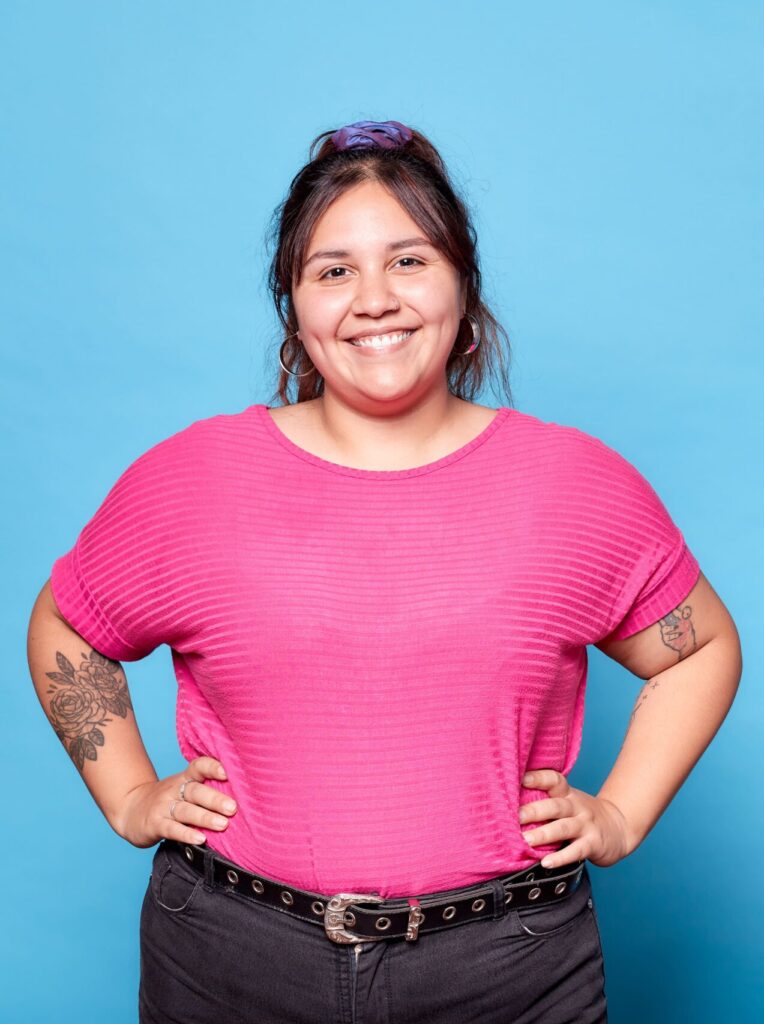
{"points": [[81, 699]]}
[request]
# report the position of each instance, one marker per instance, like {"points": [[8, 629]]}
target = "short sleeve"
{"points": [[115, 587], [664, 589], [652, 568]]}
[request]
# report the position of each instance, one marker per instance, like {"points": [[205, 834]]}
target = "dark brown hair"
{"points": [[416, 176]]}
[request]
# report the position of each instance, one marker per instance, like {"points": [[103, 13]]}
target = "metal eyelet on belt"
{"points": [[560, 887], [232, 877], [478, 904], [258, 886], [189, 852], [534, 893], [448, 913], [508, 897], [287, 897], [317, 907], [382, 923]]}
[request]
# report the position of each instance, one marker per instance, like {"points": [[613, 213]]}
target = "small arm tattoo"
{"points": [[649, 685], [677, 632], [80, 698]]}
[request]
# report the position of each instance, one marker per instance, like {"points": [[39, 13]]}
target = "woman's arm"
{"points": [[692, 662], [675, 718], [86, 699], [85, 696]]}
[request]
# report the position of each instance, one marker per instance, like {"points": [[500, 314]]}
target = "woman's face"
{"points": [[369, 273]]}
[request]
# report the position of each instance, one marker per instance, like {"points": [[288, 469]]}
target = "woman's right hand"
{"points": [[145, 816]]}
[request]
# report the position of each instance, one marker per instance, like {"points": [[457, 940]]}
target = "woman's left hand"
{"points": [[593, 826]]}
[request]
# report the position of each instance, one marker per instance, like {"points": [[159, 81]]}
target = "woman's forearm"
{"points": [[86, 700], [676, 716]]}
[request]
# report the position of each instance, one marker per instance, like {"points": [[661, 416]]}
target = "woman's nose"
{"points": [[374, 295]]}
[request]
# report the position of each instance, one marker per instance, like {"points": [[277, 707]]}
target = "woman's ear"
{"points": [[463, 295]]}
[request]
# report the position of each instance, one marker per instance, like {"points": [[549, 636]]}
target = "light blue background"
{"points": [[612, 154]]}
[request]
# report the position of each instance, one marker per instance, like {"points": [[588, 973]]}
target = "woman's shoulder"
{"points": [[196, 446], [570, 449], [206, 430], [563, 437]]}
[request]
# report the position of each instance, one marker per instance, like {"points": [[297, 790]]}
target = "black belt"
{"points": [[398, 916]]}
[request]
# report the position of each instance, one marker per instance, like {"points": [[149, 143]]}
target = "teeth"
{"points": [[382, 340]]}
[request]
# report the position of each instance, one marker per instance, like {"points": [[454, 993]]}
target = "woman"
{"points": [[378, 599]]}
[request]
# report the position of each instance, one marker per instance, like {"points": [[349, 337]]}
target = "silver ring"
{"points": [[183, 788], [172, 808]]}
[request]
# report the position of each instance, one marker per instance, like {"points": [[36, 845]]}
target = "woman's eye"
{"points": [[330, 273]]}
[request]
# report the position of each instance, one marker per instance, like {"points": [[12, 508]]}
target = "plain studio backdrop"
{"points": [[612, 156]]}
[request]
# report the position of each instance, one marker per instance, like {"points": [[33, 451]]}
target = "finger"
{"points": [[545, 810], [548, 779], [564, 828], [172, 829], [205, 796], [197, 771], [570, 854], [206, 768], [192, 814]]}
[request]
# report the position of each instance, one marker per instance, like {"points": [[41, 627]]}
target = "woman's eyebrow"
{"points": [[339, 254]]}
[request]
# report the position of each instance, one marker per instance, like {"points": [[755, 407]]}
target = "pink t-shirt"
{"points": [[376, 656]]}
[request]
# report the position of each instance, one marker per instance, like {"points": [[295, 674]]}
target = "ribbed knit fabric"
{"points": [[376, 656]]}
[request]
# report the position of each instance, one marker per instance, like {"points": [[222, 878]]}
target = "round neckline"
{"points": [[261, 411]]}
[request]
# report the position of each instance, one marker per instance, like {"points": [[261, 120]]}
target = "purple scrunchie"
{"points": [[372, 134]]}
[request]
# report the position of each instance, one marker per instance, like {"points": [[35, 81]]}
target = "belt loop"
{"points": [[209, 866], [415, 918], [499, 906]]}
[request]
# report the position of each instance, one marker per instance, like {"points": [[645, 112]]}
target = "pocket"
{"points": [[173, 885], [553, 918]]}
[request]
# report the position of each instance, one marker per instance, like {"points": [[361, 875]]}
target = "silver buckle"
{"points": [[334, 916]]}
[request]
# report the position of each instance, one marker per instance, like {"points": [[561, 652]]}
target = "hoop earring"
{"points": [[281, 359], [475, 334]]}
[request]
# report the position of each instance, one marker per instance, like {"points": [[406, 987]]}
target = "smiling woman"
{"points": [[430, 219], [376, 280], [400, 314], [379, 599]]}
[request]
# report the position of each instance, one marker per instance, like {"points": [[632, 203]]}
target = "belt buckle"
{"points": [[334, 916]]}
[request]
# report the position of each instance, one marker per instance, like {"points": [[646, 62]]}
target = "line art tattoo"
{"points": [[677, 632], [80, 699]]}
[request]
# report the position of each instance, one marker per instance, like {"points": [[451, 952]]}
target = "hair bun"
{"points": [[372, 134]]}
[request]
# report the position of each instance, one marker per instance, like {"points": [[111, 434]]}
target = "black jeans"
{"points": [[214, 956]]}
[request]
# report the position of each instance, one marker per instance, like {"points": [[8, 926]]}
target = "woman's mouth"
{"points": [[383, 342]]}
